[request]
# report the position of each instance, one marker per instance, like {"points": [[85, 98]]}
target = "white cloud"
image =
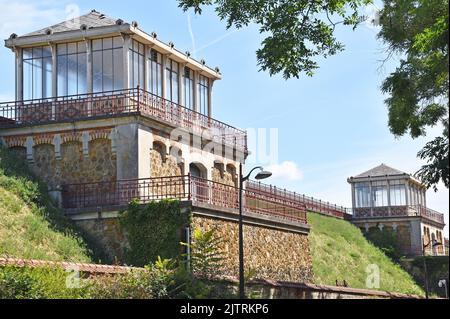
{"points": [[286, 170], [25, 16]]}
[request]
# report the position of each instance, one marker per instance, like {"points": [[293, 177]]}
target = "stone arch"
{"points": [[176, 156], [197, 169]]}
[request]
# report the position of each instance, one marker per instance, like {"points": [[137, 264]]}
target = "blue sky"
{"points": [[330, 126]]}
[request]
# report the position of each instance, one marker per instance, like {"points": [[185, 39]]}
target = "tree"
{"points": [[418, 88], [298, 31]]}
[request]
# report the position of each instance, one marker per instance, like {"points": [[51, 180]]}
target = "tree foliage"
{"points": [[297, 32], [418, 88]]}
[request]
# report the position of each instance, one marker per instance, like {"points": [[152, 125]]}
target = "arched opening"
{"points": [[199, 184], [231, 172], [197, 170]]}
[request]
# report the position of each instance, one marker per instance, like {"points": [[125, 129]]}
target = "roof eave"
{"points": [[179, 56], [35, 40]]}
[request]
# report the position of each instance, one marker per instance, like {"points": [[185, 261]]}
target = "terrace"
{"points": [[201, 192], [114, 104]]}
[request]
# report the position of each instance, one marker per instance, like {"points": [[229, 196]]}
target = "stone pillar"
{"points": [[19, 74], [145, 143], [407, 199]]}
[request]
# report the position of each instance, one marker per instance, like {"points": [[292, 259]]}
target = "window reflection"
{"points": [[107, 64], [37, 72]]}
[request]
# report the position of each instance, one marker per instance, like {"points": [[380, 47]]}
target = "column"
{"points": [[210, 88], [164, 76], [54, 78], [126, 61], [195, 91], [389, 197], [19, 74], [181, 97], [89, 75], [353, 198], [371, 198]]}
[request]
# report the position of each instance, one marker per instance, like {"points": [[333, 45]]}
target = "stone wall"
{"points": [[72, 166], [224, 177], [269, 253], [107, 236]]}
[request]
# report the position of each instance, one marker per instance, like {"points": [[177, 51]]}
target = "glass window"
{"points": [[37, 73], [203, 94], [398, 195], [379, 194], [188, 94], [362, 195], [172, 80], [72, 68], [137, 67], [154, 80], [107, 64]]}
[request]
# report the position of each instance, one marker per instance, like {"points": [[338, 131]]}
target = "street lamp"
{"points": [[261, 175], [433, 244]]}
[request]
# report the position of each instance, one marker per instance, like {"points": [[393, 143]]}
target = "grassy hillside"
{"points": [[340, 252], [30, 227]]}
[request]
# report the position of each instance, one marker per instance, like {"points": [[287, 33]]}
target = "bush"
{"points": [[152, 230], [37, 283]]}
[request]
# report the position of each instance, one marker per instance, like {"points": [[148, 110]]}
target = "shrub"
{"points": [[152, 230]]}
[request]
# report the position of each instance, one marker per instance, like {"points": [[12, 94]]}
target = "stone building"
{"points": [[391, 200], [105, 113]]}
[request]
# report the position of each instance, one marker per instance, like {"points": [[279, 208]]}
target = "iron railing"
{"points": [[398, 211], [116, 103], [186, 187], [310, 203]]}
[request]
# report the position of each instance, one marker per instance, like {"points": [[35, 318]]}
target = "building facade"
{"points": [[106, 113], [388, 199]]}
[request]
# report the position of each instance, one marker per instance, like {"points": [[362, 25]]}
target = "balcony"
{"points": [[399, 211], [200, 192], [114, 104]]}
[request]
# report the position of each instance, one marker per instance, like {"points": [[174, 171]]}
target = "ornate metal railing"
{"points": [[398, 211], [197, 190], [310, 203], [117, 103]]}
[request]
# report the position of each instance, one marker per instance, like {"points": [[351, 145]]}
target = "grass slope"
{"points": [[340, 252], [30, 226]]}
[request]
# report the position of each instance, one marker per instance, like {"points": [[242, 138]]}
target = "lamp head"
{"points": [[263, 174]]}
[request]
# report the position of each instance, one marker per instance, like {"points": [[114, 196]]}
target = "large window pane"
{"points": [[137, 67], [37, 72], [97, 71], [72, 68], [118, 69], [362, 195]]}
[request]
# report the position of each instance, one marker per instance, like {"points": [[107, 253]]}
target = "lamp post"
{"points": [[261, 175], [433, 244]]}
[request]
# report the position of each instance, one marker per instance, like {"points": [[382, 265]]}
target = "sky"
{"points": [[319, 130]]}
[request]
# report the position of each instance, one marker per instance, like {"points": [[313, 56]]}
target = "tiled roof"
{"points": [[381, 170], [92, 20]]}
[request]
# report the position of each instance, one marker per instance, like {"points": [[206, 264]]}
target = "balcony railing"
{"points": [[310, 203], [197, 190], [116, 103], [398, 211]]}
